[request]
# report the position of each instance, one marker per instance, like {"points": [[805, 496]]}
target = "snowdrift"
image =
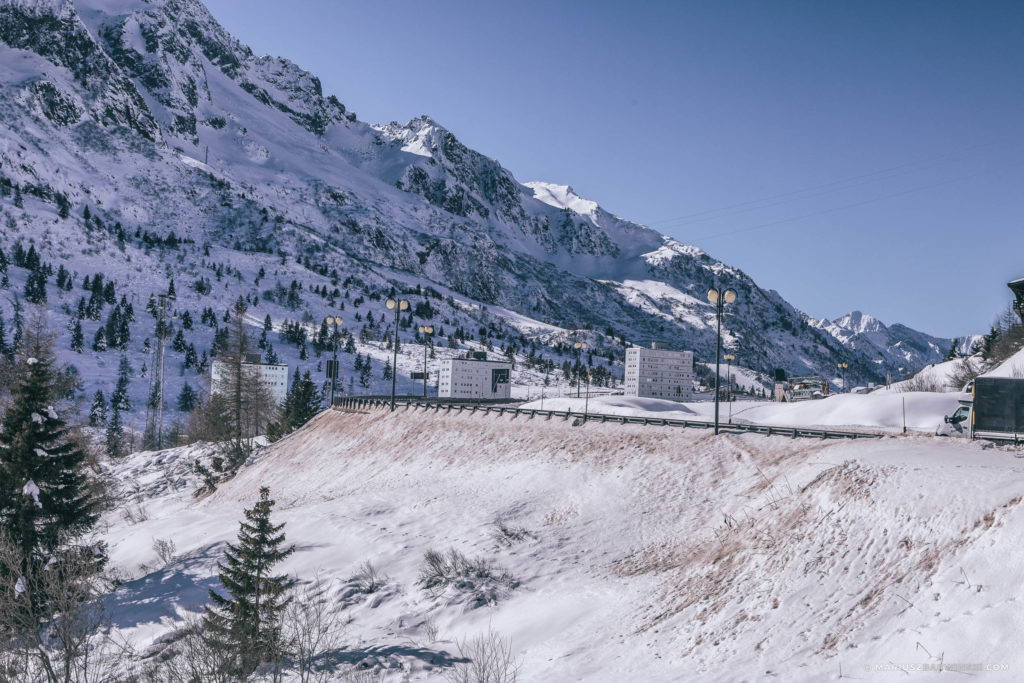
{"points": [[1011, 367]]}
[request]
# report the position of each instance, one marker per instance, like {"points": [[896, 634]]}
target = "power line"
{"points": [[814, 190], [854, 204]]}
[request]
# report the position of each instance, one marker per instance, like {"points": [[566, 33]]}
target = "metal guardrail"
{"points": [[359, 403]]}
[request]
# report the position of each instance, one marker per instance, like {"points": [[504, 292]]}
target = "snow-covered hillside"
{"points": [[633, 553], [123, 123]]}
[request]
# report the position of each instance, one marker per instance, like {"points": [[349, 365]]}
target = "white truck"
{"points": [[991, 408]]}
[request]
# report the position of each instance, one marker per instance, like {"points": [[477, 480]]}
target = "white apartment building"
{"points": [[659, 373], [474, 378], [273, 377]]}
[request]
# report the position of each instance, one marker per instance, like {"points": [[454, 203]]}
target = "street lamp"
{"points": [[425, 330], [579, 346], [729, 358], [332, 370], [399, 305], [586, 403], [842, 369], [719, 299]]}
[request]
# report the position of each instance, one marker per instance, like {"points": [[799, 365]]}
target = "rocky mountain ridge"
{"points": [[152, 117]]}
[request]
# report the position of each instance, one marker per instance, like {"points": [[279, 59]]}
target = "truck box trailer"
{"points": [[997, 410]]}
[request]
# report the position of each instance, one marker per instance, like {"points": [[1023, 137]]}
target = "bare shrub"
{"points": [[963, 372], [507, 535], [491, 660], [477, 581], [921, 382], [190, 656], [165, 550], [51, 618], [368, 579], [364, 676], [431, 630], [312, 633]]}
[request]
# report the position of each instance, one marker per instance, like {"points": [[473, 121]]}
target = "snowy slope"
{"points": [[1011, 367], [653, 554]]}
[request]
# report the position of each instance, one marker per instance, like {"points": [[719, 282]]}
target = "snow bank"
{"points": [[938, 374], [1011, 367], [649, 553]]}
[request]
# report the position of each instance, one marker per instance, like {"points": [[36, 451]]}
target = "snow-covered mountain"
{"points": [[124, 121], [897, 346]]}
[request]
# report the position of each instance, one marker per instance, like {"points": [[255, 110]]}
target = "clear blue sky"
{"points": [[851, 155]]}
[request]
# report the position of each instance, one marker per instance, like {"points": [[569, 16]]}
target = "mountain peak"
{"points": [[562, 197], [859, 323]]}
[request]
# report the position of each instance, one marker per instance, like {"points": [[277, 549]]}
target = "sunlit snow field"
{"points": [[647, 553]]}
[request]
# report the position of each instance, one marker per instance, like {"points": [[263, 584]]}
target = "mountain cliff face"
{"points": [[151, 116]]}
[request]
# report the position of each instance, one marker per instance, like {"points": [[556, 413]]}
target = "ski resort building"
{"points": [[273, 377], [475, 377], [658, 372]]}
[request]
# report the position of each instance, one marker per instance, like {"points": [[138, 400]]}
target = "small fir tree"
{"points": [[187, 399], [77, 338], [247, 621], [98, 411]]}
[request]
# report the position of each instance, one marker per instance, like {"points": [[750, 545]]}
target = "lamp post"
{"points": [[399, 305], [333, 374], [729, 358], [425, 330], [719, 299], [579, 346], [586, 403], [842, 370]]}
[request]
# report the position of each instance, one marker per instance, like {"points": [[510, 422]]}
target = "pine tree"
{"points": [[187, 399], [98, 411], [387, 370], [115, 437], [119, 399], [953, 353], [191, 359], [77, 338], [271, 356], [99, 342], [305, 402], [178, 343], [247, 622], [44, 499], [365, 373]]}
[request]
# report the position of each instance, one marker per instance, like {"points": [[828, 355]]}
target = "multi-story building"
{"points": [[475, 377], [659, 373], [273, 377]]}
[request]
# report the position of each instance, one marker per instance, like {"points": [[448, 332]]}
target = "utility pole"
{"points": [[332, 370], [398, 305], [719, 299]]}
